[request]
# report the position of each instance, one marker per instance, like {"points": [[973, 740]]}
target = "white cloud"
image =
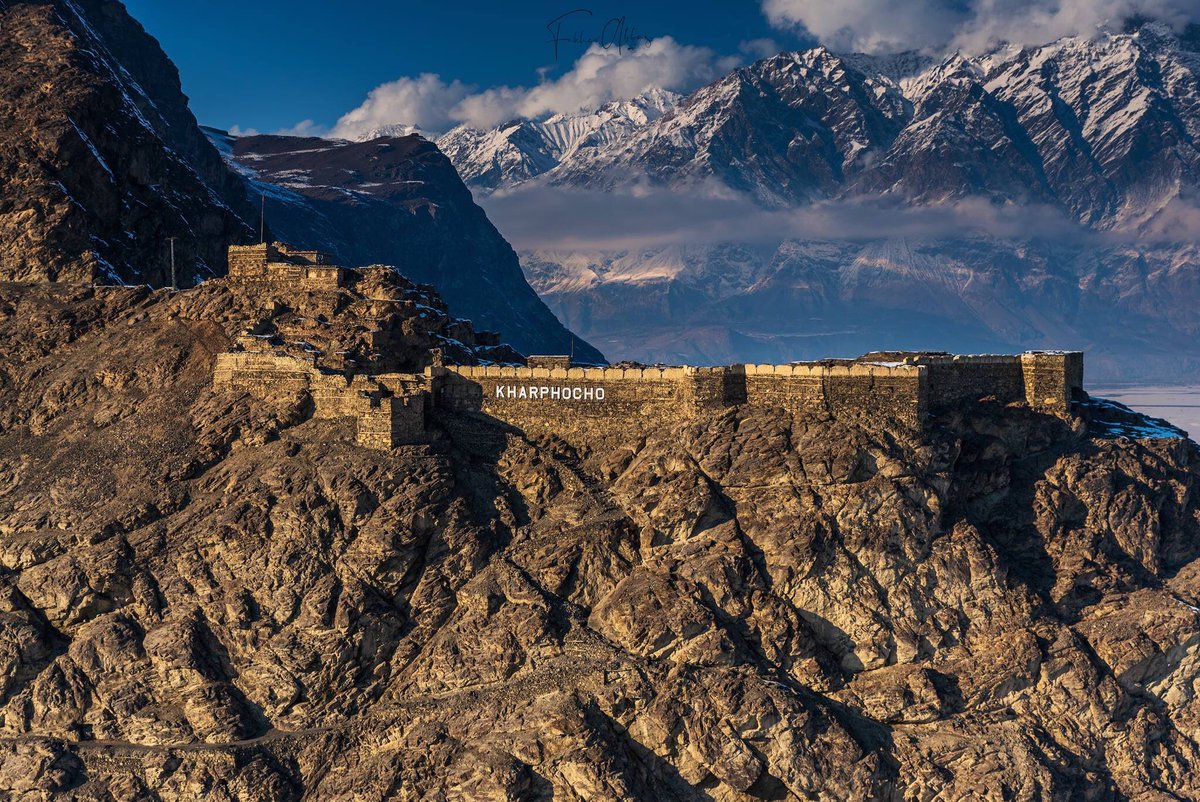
{"points": [[760, 48], [303, 128], [565, 218], [973, 25], [424, 102], [598, 76], [237, 130]]}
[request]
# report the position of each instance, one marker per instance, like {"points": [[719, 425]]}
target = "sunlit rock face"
{"points": [[101, 158], [208, 589]]}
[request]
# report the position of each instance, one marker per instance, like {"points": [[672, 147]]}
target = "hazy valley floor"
{"points": [[1179, 405]]}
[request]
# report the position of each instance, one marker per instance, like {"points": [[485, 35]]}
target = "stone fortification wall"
{"points": [[276, 263], [263, 374], [954, 379], [567, 400], [1046, 380], [388, 409], [895, 391], [593, 402], [1053, 379], [248, 260], [564, 401], [390, 421]]}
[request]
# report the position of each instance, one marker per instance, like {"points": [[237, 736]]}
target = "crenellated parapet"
{"points": [[550, 396], [904, 388], [563, 400]]}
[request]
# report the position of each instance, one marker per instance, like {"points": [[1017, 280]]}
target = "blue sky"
{"points": [[268, 64], [348, 67]]}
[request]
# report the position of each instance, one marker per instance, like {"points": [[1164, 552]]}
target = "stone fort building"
{"points": [[550, 395], [906, 388], [278, 263]]}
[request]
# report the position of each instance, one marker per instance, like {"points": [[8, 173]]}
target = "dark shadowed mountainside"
{"points": [[399, 201]]}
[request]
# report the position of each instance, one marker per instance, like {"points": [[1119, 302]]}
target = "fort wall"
{"points": [[565, 400], [955, 379], [895, 392], [1047, 380], [588, 402], [1052, 379], [275, 263], [390, 421], [388, 410]]}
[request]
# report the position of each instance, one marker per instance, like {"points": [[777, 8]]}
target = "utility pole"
{"points": [[262, 221], [172, 241]]}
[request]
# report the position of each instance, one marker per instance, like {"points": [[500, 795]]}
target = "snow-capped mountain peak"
{"points": [[523, 149], [1105, 128]]}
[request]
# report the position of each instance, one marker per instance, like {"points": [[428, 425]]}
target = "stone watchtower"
{"points": [[276, 263]]}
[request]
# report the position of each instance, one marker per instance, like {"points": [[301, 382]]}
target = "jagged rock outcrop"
{"points": [[210, 595], [100, 159]]}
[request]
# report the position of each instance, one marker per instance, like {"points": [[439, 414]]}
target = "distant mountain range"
{"points": [[1087, 151], [523, 149]]}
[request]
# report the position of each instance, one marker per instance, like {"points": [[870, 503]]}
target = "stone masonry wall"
{"points": [[278, 264], [897, 392], [390, 421], [1052, 379], [383, 421], [262, 374], [954, 379], [567, 401], [591, 402], [584, 400]]}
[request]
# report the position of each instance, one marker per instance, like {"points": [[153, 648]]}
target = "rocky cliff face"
{"points": [[210, 596], [100, 158], [398, 201]]}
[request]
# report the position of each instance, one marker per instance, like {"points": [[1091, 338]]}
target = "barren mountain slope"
{"points": [[100, 159], [209, 597]]}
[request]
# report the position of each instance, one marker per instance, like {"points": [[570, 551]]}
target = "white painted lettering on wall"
{"points": [[550, 393]]}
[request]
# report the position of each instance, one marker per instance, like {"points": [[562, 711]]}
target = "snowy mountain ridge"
{"points": [[523, 149], [1105, 129]]}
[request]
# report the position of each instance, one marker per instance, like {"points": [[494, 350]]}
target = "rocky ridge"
{"points": [[102, 164], [1103, 128], [208, 595]]}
